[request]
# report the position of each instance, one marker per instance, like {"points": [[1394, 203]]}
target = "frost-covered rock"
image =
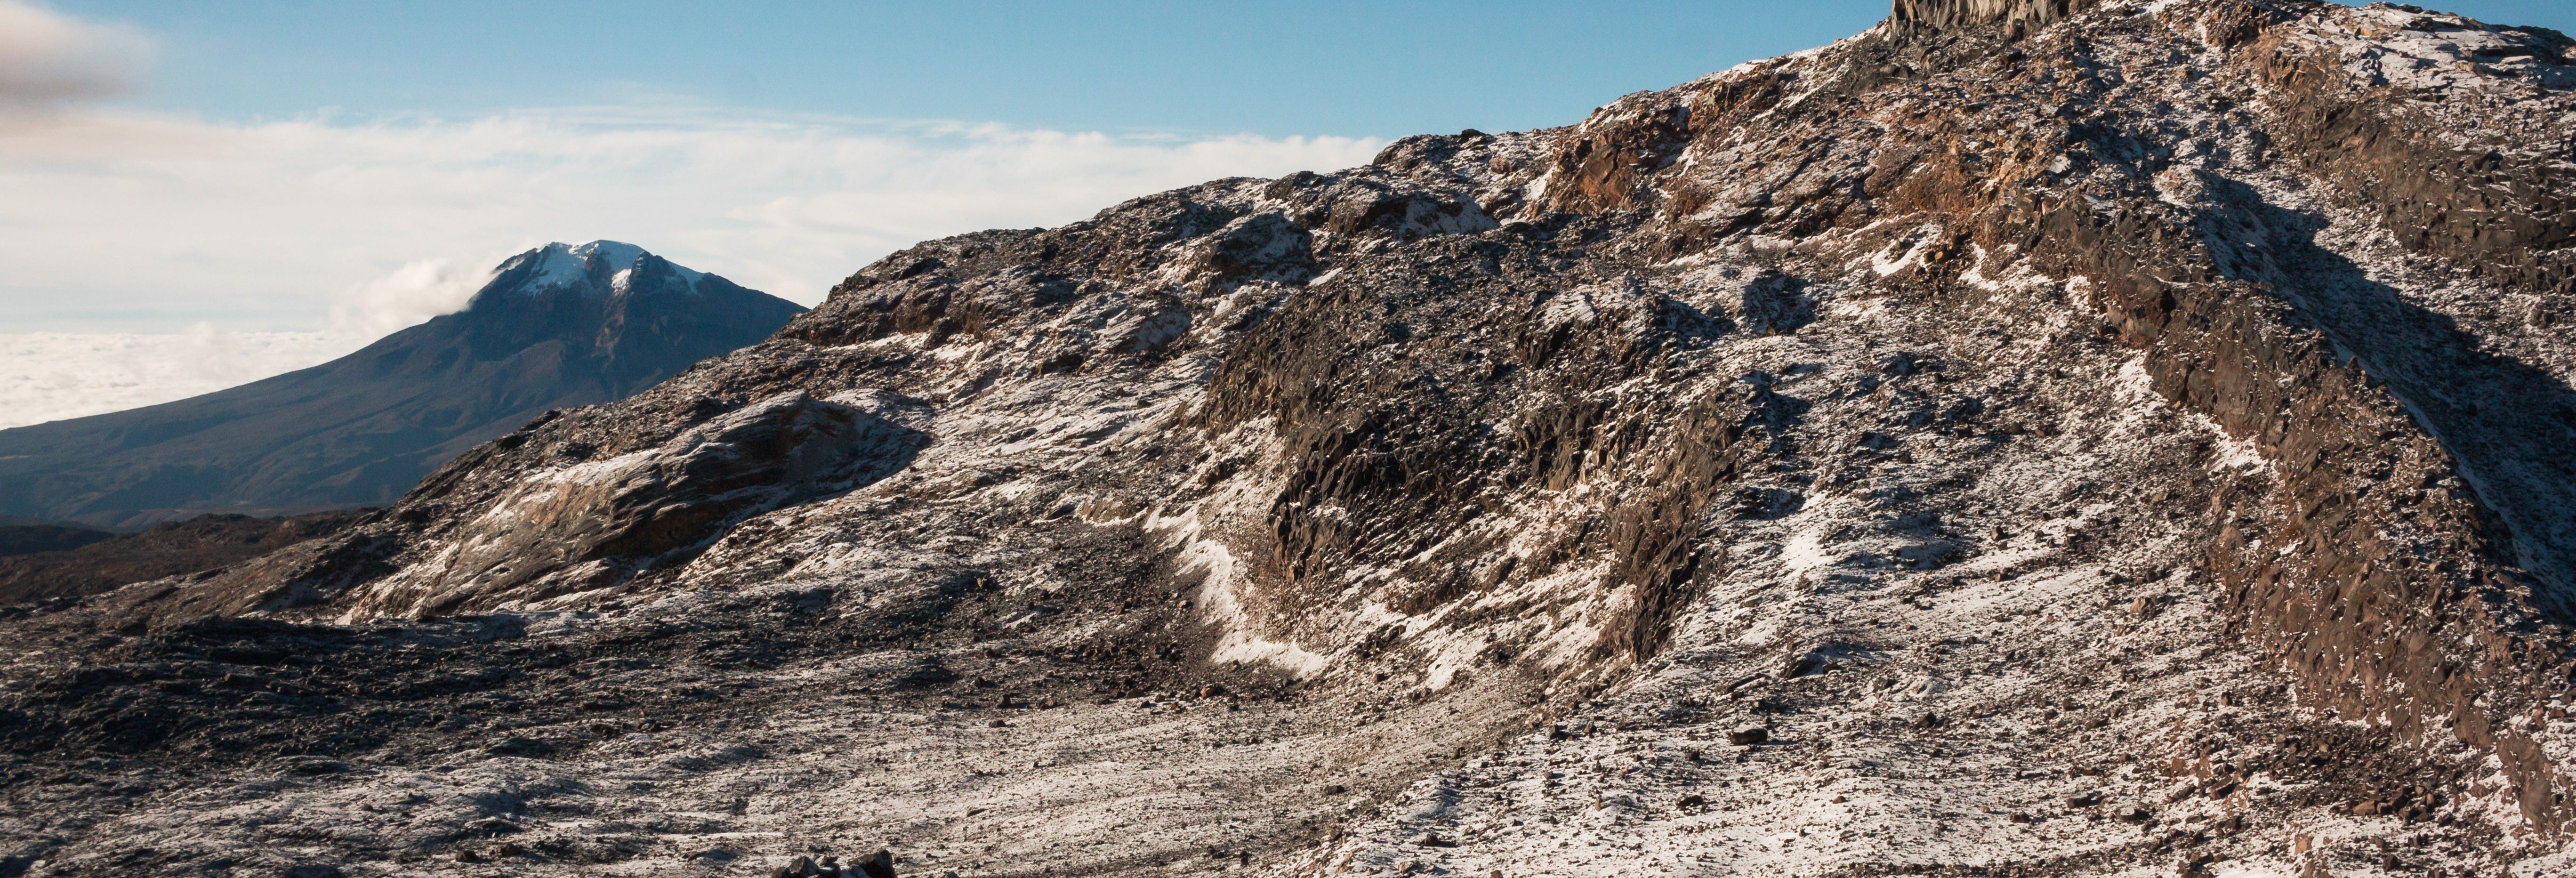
{"points": [[2075, 451]]}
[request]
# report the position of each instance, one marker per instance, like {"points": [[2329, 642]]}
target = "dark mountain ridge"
{"points": [[22, 539], [557, 327], [83, 562]]}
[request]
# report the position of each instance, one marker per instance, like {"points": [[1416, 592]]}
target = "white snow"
{"points": [[1888, 261], [556, 266], [561, 265], [1216, 596]]}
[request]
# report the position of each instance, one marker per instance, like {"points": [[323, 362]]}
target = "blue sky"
{"points": [[1262, 66]]}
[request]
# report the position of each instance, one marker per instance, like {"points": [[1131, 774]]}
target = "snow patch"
{"points": [[1804, 553], [1217, 603], [1916, 244]]}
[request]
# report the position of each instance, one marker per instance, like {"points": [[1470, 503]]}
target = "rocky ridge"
{"points": [[2021, 439]]}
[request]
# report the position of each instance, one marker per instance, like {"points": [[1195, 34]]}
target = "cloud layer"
{"points": [[49, 376], [126, 221], [46, 57]]}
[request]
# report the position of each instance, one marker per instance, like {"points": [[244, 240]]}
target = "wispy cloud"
{"points": [[119, 217], [47, 57], [411, 294]]}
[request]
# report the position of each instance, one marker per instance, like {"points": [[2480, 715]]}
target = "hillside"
{"points": [[2026, 438]]}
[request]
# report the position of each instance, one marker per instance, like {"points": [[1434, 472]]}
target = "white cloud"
{"points": [[47, 57], [49, 376], [411, 294], [119, 219]]}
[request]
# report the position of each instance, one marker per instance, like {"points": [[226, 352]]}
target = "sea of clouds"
{"points": [[49, 376]]}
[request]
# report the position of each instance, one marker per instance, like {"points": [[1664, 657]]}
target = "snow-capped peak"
{"points": [[558, 264]]}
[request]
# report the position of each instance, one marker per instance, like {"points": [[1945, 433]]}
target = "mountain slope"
{"points": [[94, 562], [2023, 439], [558, 327]]}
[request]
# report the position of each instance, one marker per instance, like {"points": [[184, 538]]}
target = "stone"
{"points": [[1501, 456], [1748, 736], [519, 746]]}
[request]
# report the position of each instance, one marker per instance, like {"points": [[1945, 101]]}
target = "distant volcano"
{"points": [[558, 327]]}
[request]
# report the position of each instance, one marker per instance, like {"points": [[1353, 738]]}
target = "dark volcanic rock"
{"points": [[102, 561], [559, 327], [2071, 445], [32, 538]]}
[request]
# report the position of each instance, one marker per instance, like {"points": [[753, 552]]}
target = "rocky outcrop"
{"points": [[594, 524], [2019, 16]]}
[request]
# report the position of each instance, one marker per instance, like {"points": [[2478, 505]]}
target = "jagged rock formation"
{"points": [[2016, 17], [558, 327], [2124, 444]]}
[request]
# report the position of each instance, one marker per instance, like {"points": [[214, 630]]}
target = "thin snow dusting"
{"points": [[1944, 609]]}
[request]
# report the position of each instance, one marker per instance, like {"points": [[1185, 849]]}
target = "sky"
{"points": [[325, 172]]}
